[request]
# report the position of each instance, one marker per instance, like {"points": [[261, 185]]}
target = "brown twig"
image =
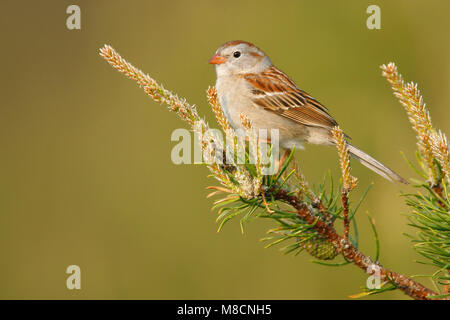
{"points": [[410, 287], [304, 189], [345, 207], [270, 211]]}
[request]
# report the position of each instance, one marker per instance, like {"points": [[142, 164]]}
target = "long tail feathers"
{"points": [[374, 165]]}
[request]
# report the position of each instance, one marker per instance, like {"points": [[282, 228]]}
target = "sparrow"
{"points": [[248, 83]]}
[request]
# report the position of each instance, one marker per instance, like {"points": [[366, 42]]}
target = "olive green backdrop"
{"points": [[85, 170]]}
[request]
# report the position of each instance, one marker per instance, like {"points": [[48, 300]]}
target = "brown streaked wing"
{"points": [[274, 91]]}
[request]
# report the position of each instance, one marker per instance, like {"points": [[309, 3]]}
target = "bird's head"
{"points": [[239, 57]]}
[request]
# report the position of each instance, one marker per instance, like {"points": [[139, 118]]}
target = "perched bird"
{"points": [[248, 83]]}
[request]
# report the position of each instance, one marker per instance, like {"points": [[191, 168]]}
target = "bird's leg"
{"points": [[283, 159], [270, 211]]}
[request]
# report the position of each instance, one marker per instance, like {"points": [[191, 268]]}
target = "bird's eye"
{"points": [[236, 54]]}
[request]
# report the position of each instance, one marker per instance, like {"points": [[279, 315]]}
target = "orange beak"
{"points": [[216, 59]]}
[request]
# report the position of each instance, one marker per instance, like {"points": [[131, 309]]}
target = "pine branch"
{"points": [[407, 285], [430, 212], [349, 182]]}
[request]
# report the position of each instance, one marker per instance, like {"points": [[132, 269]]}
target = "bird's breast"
{"points": [[233, 99]]}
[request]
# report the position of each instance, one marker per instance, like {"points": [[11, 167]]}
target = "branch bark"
{"points": [[410, 287]]}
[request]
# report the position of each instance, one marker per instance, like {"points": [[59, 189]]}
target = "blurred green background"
{"points": [[85, 169]]}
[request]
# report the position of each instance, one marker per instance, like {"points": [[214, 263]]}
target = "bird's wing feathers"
{"points": [[274, 91]]}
